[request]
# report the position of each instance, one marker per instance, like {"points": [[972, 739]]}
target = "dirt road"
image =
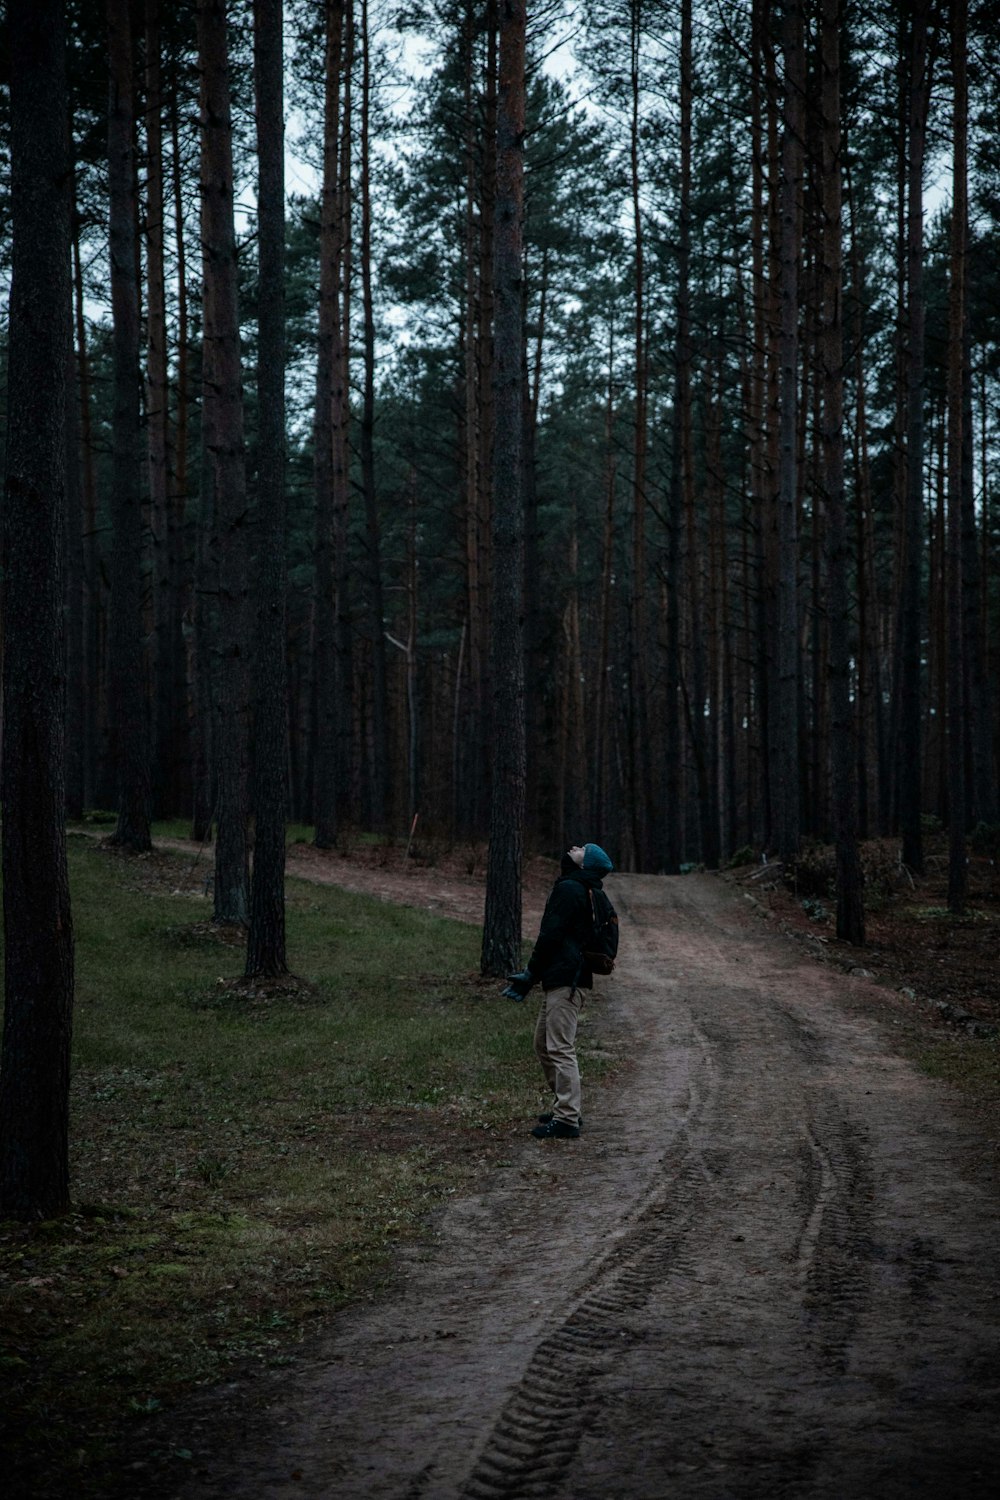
{"points": [[764, 1270]]}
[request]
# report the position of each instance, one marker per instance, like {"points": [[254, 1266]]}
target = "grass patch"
{"points": [[242, 1165], [971, 1064], [295, 833]]}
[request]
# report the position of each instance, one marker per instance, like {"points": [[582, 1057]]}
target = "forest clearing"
{"points": [[302, 1216]]}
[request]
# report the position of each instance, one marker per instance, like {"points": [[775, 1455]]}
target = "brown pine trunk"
{"points": [[981, 691], [681, 498], [711, 833], [501, 949], [958, 880], [157, 424], [910, 756], [483, 728], [754, 598], [38, 955], [375, 607], [843, 758], [870, 726], [323, 654], [76, 644], [348, 739], [225, 469], [637, 812], [601, 752], [468, 688], [188, 752], [126, 664], [266, 938], [785, 771], [93, 683], [767, 624]]}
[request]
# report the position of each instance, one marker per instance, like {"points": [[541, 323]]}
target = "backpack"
{"points": [[600, 948]]}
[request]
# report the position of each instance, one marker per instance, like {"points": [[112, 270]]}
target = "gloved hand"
{"points": [[518, 985]]}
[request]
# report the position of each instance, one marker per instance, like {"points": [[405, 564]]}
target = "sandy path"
{"points": [[763, 1271]]}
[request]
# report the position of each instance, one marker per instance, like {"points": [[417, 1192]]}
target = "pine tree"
{"points": [[38, 959], [224, 468], [502, 919], [266, 938], [126, 668]]}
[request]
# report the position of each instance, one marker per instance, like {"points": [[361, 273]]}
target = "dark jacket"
{"points": [[557, 958]]}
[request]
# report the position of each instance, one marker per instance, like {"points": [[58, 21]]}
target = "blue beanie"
{"points": [[595, 860]]}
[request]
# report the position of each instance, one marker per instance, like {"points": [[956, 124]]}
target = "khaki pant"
{"points": [[555, 1048]]}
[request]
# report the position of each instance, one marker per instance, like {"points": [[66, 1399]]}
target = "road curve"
{"points": [[763, 1271]]}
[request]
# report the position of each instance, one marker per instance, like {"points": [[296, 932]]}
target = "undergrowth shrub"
{"points": [[814, 874]]}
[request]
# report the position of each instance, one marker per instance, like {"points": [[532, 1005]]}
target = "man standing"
{"points": [[562, 967]]}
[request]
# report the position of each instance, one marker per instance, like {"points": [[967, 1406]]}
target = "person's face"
{"points": [[576, 855]]}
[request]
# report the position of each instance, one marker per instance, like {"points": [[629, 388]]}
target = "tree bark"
{"points": [[191, 753], [501, 950], [843, 758], [958, 880], [126, 665], [373, 551], [77, 708], [92, 684], [639, 779], [330, 461], [785, 773], [225, 469], [910, 757], [157, 427], [266, 938], [38, 958], [681, 477]]}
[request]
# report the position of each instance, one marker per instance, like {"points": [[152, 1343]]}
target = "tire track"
{"points": [[835, 1248], [535, 1439]]}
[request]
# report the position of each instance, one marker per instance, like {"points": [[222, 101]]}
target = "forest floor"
{"points": [[769, 1267]]}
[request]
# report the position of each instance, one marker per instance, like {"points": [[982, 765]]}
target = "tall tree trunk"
{"points": [[266, 938], [331, 645], [38, 956], [534, 612], [754, 605], [785, 773], [468, 696], [127, 668], [601, 754], [93, 598], [501, 950], [182, 558], [910, 757], [76, 622], [958, 881], [486, 374], [975, 590], [373, 550], [324, 659], [681, 499], [349, 780], [768, 565], [870, 726], [843, 759], [638, 779], [183, 534], [157, 425], [226, 467]]}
